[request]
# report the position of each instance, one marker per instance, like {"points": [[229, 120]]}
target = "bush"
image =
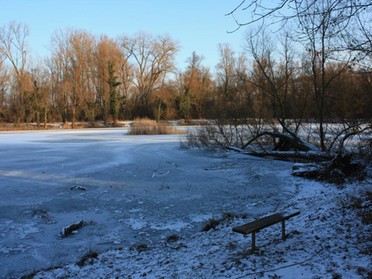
{"points": [[144, 126], [173, 238], [142, 247], [211, 224], [87, 259]]}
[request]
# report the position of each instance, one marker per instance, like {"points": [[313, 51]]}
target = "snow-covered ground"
{"points": [[144, 201]]}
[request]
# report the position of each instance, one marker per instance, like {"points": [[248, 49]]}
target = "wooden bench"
{"points": [[256, 226]]}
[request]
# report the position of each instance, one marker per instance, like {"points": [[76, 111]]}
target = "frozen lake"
{"points": [[139, 189]]}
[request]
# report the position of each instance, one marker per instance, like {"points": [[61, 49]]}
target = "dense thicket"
{"points": [[90, 78]]}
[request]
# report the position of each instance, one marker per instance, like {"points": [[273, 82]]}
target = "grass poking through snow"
{"points": [[144, 126]]}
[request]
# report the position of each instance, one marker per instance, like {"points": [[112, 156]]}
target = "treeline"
{"points": [[90, 78]]}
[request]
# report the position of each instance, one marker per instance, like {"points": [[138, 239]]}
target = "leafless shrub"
{"points": [[204, 137], [221, 134], [214, 135], [365, 150], [88, 258], [226, 218], [211, 224], [142, 247], [43, 215], [361, 204], [228, 215], [173, 238]]}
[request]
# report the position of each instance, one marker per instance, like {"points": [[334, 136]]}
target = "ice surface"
{"points": [[142, 189]]}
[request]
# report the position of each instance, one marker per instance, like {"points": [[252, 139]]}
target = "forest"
{"points": [[97, 78], [101, 79]]}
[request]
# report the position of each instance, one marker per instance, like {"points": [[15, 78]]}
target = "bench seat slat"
{"points": [[259, 224], [263, 223]]}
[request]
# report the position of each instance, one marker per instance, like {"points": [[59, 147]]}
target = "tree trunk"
{"points": [[73, 117], [45, 117], [294, 156]]}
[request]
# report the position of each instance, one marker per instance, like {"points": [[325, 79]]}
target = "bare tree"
{"points": [[357, 38], [106, 54], [40, 95], [152, 59], [126, 77], [270, 78], [14, 48], [109, 55], [73, 65], [4, 82], [231, 101], [59, 68], [320, 31], [231, 74], [114, 97], [324, 27], [348, 22], [196, 88], [80, 71], [275, 81], [283, 11]]}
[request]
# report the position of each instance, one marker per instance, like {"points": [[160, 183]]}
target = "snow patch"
{"points": [[136, 224], [173, 226]]}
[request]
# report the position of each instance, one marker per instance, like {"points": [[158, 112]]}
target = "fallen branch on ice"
{"points": [[81, 188], [66, 231], [301, 156]]}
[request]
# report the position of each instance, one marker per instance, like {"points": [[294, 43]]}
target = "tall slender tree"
{"points": [[114, 97], [4, 81]]}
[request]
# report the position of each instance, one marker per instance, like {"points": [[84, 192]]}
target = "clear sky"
{"points": [[197, 25]]}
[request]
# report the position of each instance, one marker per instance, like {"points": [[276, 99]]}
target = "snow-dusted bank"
{"points": [[143, 202]]}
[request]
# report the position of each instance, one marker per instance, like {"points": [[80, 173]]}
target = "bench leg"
{"points": [[283, 230], [253, 241]]}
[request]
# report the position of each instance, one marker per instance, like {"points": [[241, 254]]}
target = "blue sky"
{"points": [[197, 25]]}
